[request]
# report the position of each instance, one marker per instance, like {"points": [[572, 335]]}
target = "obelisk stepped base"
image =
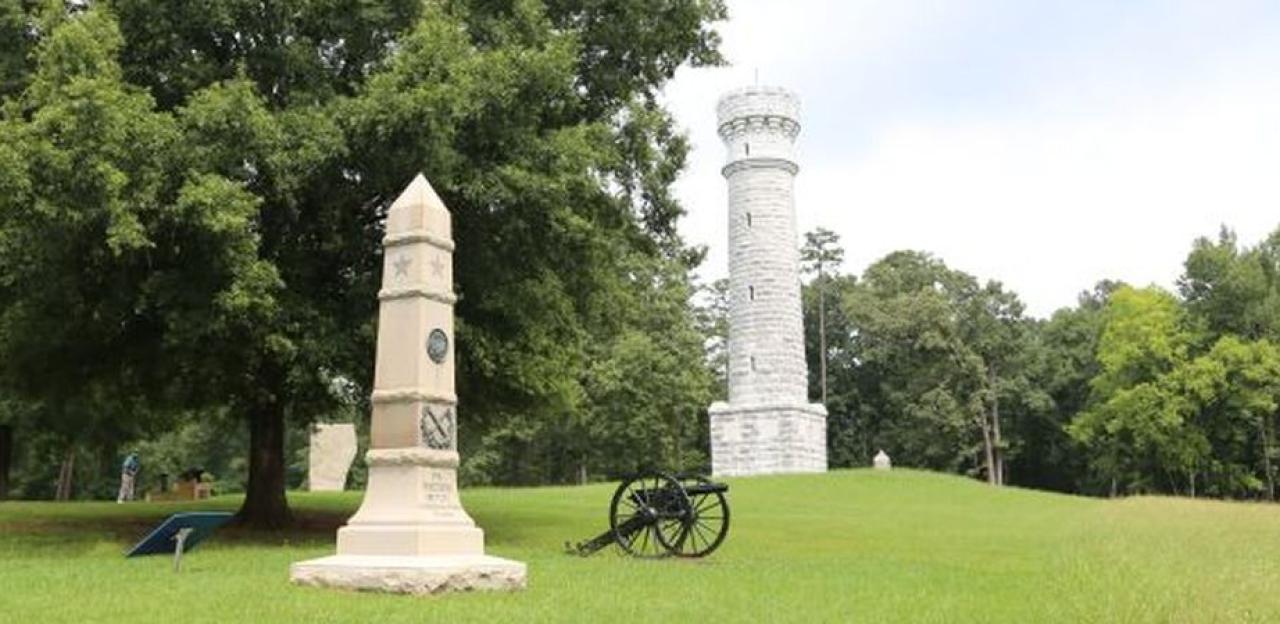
{"points": [[432, 523], [411, 575], [410, 540]]}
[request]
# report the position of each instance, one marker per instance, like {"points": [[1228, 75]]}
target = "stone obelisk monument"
{"points": [[411, 534], [768, 425]]}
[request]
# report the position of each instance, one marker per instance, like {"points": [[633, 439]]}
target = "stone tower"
{"points": [[768, 425]]}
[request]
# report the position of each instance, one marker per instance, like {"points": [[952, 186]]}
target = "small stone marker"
{"points": [[333, 447], [411, 534], [881, 461]]}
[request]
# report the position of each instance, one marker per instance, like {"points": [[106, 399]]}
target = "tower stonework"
{"points": [[768, 424]]}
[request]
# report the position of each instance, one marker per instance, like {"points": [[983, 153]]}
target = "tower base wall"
{"points": [[767, 439]]}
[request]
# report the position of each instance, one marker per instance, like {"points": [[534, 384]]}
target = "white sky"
{"points": [[1046, 145]]}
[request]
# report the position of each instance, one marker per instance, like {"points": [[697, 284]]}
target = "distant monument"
{"points": [[768, 425], [333, 447], [881, 461], [411, 534]]}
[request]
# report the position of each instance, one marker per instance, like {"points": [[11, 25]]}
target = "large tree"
{"points": [[1131, 427], [931, 365], [285, 128], [993, 327], [925, 384], [561, 199], [114, 258]]}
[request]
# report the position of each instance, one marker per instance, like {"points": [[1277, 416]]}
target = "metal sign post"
{"points": [[181, 539]]}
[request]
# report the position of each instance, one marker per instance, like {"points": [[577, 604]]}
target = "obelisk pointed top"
{"points": [[419, 194], [419, 208]]}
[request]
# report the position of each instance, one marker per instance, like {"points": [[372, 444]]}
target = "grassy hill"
{"points": [[841, 547]]}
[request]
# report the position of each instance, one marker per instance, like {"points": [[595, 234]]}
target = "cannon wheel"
{"points": [[631, 506], [703, 528]]}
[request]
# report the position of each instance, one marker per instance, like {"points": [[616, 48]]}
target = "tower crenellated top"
{"points": [[759, 124], [740, 107]]}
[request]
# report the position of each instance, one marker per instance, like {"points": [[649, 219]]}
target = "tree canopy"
{"points": [[205, 186], [1131, 390]]}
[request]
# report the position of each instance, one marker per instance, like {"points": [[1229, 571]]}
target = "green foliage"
{"points": [[198, 192], [209, 441], [821, 251], [1062, 360], [924, 362], [18, 34], [712, 315], [1144, 336], [526, 164], [1131, 390], [636, 404], [295, 52], [1163, 419], [108, 247], [1133, 426], [848, 416], [1230, 290]]}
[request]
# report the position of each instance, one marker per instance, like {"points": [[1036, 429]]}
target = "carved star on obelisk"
{"points": [[402, 266], [437, 267]]}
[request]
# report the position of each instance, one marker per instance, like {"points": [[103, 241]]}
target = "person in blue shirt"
{"points": [[128, 474]]}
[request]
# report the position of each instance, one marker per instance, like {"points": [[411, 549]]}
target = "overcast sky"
{"points": [[1046, 145]]}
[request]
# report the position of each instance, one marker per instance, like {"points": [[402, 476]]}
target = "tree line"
{"points": [[1135, 389]]}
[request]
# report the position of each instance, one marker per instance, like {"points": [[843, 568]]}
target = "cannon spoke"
{"points": [[691, 536], [705, 502], [674, 533], [639, 508], [703, 523]]}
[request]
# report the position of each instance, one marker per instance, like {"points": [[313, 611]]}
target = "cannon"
{"points": [[659, 515]]}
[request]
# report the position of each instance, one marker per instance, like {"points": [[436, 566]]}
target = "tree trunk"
{"points": [[679, 448], [63, 491], [996, 451], [1267, 445], [986, 447], [265, 505], [6, 459], [822, 333]]}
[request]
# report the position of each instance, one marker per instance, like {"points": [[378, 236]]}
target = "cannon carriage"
{"points": [[659, 515]]}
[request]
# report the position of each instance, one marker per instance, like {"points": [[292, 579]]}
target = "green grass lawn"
{"points": [[845, 546]]}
